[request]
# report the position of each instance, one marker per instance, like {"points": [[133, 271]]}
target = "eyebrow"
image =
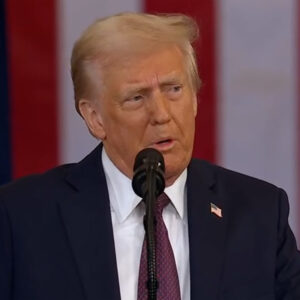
{"points": [[173, 78]]}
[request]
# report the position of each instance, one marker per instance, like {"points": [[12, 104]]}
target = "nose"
{"points": [[159, 109]]}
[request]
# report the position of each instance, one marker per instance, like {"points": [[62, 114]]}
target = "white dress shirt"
{"points": [[127, 213]]}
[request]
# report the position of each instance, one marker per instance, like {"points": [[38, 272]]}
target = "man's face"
{"points": [[148, 101]]}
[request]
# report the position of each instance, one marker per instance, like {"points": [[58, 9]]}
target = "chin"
{"points": [[172, 174], [175, 163]]}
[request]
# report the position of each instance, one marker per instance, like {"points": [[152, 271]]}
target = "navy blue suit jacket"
{"points": [[56, 238]]}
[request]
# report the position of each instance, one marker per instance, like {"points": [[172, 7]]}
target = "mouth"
{"points": [[164, 141], [163, 144]]}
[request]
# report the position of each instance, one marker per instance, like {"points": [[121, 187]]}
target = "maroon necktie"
{"points": [[168, 283]]}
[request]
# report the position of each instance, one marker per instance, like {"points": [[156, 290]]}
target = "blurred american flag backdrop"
{"points": [[248, 114]]}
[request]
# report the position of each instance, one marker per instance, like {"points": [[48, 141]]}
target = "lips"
{"points": [[164, 141], [163, 144]]}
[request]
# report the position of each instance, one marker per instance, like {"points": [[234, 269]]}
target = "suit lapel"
{"points": [[206, 232], [87, 219]]}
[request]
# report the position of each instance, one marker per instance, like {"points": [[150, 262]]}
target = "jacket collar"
{"points": [[86, 216]]}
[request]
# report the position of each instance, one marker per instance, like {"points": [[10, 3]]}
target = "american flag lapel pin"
{"points": [[214, 209]]}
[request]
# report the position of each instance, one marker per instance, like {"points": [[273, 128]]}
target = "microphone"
{"points": [[148, 182], [148, 161]]}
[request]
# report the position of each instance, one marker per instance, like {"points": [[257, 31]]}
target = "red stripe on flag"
{"points": [[204, 12], [33, 87]]}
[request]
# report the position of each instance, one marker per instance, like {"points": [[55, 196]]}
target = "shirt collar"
{"points": [[176, 193], [122, 198]]}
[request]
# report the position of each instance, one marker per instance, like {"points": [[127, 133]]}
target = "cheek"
{"points": [[129, 130], [189, 129], [186, 113], [195, 106]]}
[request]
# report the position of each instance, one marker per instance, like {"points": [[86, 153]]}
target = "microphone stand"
{"points": [[149, 224], [148, 182]]}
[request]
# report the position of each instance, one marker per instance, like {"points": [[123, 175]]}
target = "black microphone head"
{"points": [[145, 160], [149, 156]]}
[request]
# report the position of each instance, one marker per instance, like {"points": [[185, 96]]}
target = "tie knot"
{"points": [[161, 202]]}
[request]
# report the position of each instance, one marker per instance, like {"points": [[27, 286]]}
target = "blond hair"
{"points": [[112, 37]]}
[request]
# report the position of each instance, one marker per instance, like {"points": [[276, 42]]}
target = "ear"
{"points": [[90, 111]]}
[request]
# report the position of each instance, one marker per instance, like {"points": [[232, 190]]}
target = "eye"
{"points": [[174, 90], [133, 101], [136, 98]]}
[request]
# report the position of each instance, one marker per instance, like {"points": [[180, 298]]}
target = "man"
{"points": [[76, 232]]}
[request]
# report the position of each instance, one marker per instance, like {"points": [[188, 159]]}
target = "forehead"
{"points": [[165, 64]]}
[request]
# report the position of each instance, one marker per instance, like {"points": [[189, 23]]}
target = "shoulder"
{"points": [[57, 182], [235, 187], [214, 173], [36, 186]]}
